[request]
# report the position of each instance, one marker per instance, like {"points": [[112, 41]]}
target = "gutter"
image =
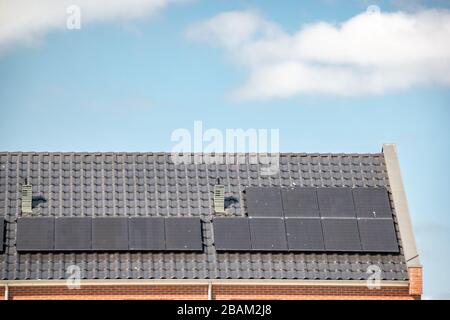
{"points": [[206, 282], [209, 290], [6, 296]]}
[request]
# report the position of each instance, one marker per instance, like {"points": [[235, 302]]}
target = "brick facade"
{"points": [[219, 292], [110, 292], [308, 292], [415, 281]]}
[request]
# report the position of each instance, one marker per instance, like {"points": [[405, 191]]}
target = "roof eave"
{"points": [[277, 282]]}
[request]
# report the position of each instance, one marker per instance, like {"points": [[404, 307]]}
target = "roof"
{"points": [[150, 184]]}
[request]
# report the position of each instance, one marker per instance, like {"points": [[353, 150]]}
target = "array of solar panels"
{"points": [[310, 219], [279, 219], [109, 234]]}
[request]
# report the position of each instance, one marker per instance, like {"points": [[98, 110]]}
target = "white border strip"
{"points": [[268, 282], [401, 205]]}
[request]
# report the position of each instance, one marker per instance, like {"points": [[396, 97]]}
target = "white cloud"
{"points": [[231, 29], [370, 53], [27, 21]]}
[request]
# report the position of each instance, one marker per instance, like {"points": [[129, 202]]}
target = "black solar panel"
{"points": [[110, 234], [2, 235], [73, 234], [146, 233], [300, 202], [378, 235], [232, 234], [336, 202], [183, 234], [264, 202], [304, 234], [372, 203], [341, 235], [268, 234], [35, 234]]}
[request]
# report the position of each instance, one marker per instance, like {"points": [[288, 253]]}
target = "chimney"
{"points": [[27, 192], [219, 197]]}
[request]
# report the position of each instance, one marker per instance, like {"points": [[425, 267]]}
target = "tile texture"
{"points": [[150, 184]]}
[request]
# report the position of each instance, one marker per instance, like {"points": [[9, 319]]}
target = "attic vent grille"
{"points": [[27, 192], [219, 198]]}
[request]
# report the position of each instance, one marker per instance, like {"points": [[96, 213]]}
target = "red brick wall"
{"points": [[109, 292], [308, 292], [415, 281], [221, 292]]}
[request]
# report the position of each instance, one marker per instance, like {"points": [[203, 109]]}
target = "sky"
{"points": [[330, 75]]}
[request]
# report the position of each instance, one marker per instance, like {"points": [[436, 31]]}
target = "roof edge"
{"points": [[160, 153], [401, 205], [356, 283]]}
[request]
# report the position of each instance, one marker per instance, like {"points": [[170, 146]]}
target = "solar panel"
{"points": [[110, 234], [336, 202], [378, 235], [73, 234], [146, 233], [183, 234], [268, 234], [372, 203], [300, 202], [2, 235], [304, 234], [264, 202], [341, 235], [35, 234], [232, 234]]}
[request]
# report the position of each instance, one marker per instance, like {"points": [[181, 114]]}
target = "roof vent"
{"points": [[219, 198], [27, 191]]}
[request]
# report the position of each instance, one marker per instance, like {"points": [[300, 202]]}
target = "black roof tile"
{"points": [[149, 184]]}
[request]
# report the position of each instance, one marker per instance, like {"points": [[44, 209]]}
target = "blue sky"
{"points": [[126, 84]]}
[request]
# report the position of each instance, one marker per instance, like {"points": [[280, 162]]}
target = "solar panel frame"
{"points": [[341, 235], [372, 203], [146, 233], [183, 234], [264, 202], [35, 234], [304, 234], [73, 234], [300, 202], [336, 202], [378, 235], [110, 234], [232, 234], [268, 234]]}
